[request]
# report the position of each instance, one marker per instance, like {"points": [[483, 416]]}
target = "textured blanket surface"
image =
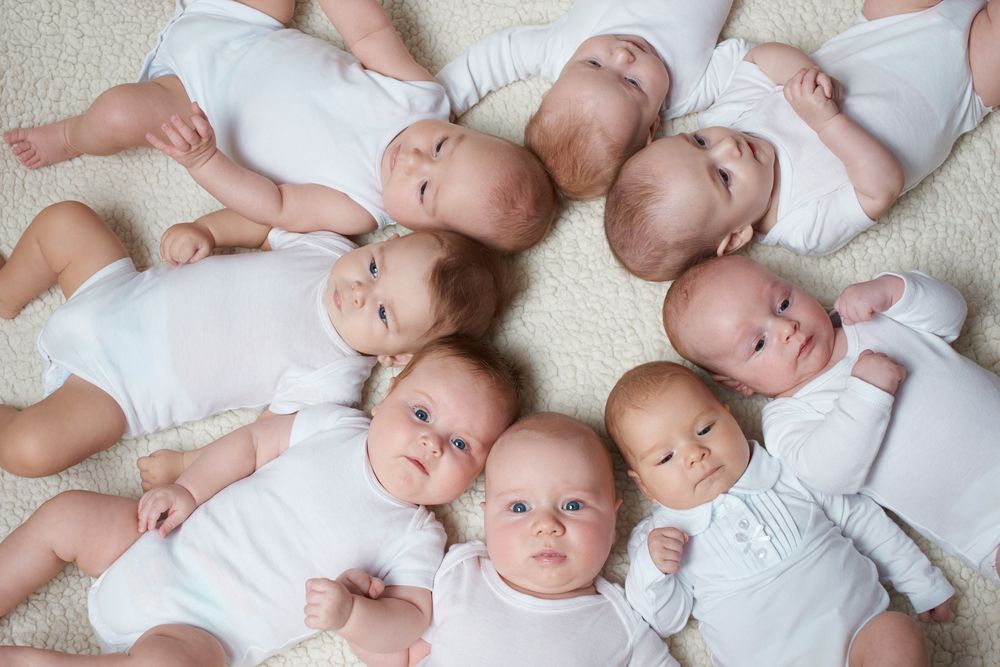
{"points": [[579, 323]]}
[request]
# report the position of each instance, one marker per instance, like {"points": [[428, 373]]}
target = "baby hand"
{"points": [[666, 546], [813, 95], [879, 370], [861, 301], [186, 243], [174, 499], [192, 145], [329, 603], [938, 614]]}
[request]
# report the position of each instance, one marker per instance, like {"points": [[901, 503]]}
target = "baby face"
{"points": [[379, 297], [759, 332], [432, 431], [624, 82], [550, 511], [683, 446], [728, 177], [438, 175]]}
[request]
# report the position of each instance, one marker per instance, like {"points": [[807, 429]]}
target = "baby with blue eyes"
{"points": [[527, 594]]}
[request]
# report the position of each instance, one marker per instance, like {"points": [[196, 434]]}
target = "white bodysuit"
{"points": [[682, 32], [776, 573], [931, 454], [480, 620], [176, 344], [238, 566], [907, 82], [287, 105]]}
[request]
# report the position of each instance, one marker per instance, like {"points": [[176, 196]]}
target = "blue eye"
{"points": [[382, 316], [459, 443], [421, 414], [666, 459], [573, 506], [783, 306], [759, 345], [699, 140], [518, 508], [373, 269], [706, 430]]}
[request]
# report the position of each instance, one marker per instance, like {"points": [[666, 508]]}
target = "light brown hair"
{"points": [[634, 389], [522, 202]]}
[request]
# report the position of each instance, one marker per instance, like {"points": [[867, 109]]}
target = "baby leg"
{"points": [[279, 10], [891, 639], [73, 422], [174, 645], [81, 527], [65, 243], [119, 118], [876, 9], [984, 53]]}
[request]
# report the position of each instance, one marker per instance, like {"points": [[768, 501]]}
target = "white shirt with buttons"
{"points": [[777, 573]]}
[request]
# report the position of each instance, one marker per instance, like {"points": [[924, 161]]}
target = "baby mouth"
{"points": [[709, 475], [549, 557], [805, 347], [337, 301], [418, 464], [393, 156]]}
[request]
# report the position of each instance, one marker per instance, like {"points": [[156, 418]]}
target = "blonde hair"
{"points": [[653, 232], [633, 390], [521, 202], [582, 157]]}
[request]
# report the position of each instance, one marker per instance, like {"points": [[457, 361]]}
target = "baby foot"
{"points": [[161, 467], [40, 146]]}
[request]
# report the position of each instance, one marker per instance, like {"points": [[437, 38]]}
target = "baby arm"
{"points": [[655, 593], [873, 170], [780, 61], [372, 617], [189, 242], [294, 207], [371, 38], [896, 556], [918, 301], [228, 459]]}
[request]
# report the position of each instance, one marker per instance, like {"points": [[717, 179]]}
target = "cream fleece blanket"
{"points": [[580, 323]]}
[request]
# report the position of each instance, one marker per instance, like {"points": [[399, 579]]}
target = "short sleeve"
{"points": [[324, 419], [341, 381], [418, 552], [821, 225], [330, 242]]}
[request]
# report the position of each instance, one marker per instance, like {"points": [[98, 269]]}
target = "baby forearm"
{"points": [[232, 230], [247, 193], [874, 171], [384, 625]]}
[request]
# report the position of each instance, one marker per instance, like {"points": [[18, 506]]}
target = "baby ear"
{"points": [[638, 482], [652, 129], [735, 240], [735, 385], [395, 360], [618, 504]]}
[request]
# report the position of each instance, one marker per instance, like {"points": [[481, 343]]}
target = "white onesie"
{"points": [[682, 32], [774, 570], [931, 454], [238, 566], [907, 82], [175, 344], [480, 620], [287, 105]]}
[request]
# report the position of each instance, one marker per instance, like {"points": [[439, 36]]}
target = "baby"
{"points": [[795, 164], [775, 572], [134, 352], [325, 139], [609, 64], [533, 594], [865, 407], [282, 501]]}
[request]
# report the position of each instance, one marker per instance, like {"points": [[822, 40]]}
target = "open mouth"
{"points": [[418, 464]]}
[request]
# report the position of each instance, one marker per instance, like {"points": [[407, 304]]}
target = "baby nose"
{"points": [[357, 294], [696, 454], [623, 54], [546, 523], [412, 160], [789, 328], [431, 443]]}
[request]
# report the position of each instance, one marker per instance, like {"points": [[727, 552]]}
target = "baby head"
{"points": [[604, 107], [682, 446], [431, 432], [687, 197], [550, 506], [438, 175], [388, 298], [756, 332]]}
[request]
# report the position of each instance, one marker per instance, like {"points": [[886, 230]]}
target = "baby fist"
{"points": [[879, 370], [938, 614], [813, 96], [666, 546], [328, 604], [861, 301]]}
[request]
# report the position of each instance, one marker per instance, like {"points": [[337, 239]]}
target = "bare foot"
{"points": [[40, 146], [163, 466]]}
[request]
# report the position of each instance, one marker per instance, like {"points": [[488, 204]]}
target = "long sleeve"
{"points": [[660, 598], [832, 452], [929, 305], [493, 62], [896, 556]]}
